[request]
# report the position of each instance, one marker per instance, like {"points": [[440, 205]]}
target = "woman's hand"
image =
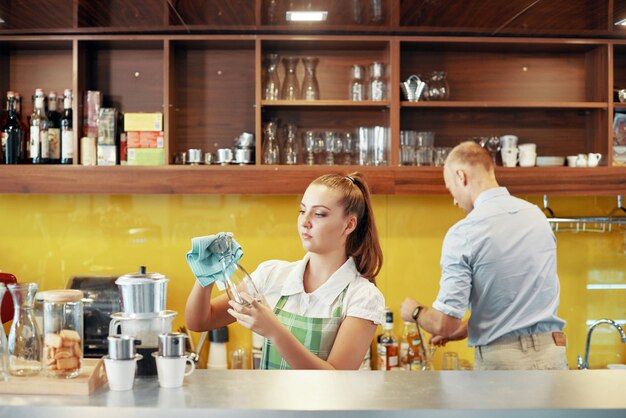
{"points": [[258, 317]]}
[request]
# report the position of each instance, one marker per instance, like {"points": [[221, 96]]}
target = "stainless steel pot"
{"points": [[121, 347], [142, 294]]}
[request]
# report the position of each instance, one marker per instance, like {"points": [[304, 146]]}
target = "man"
{"points": [[500, 263]]}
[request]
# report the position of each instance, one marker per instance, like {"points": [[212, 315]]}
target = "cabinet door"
{"points": [[334, 111]]}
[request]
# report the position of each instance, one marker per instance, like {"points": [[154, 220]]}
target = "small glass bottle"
{"points": [[25, 343], [67, 133], [310, 88], [357, 84], [378, 88], [39, 144], [63, 333]]}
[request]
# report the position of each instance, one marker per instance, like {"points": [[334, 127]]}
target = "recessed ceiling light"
{"points": [[621, 22], [2, 20], [306, 16]]}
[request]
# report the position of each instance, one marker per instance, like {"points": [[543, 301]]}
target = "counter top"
{"points": [[248, 393]]}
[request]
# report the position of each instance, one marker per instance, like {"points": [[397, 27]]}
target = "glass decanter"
{"points": [[236, 278], [271, 89], [271, 151], [291, 150], [25, 342], [357, 84], [4, 350], [310, 87], [378, 86], [291, 88]]}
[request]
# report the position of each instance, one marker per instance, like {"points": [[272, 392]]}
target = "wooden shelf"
{"points": [[324, 103], [285, 180], [511, 104]]}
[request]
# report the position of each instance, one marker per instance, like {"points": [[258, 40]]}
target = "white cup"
{"points": [[581, 160], [528, 148], [508, 141], [527, 159], [571, 160], [593, 158], [509, 156], [121, 373], [172, 370]]}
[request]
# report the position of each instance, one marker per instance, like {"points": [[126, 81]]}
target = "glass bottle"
{"points": [[291, 88], [25, 146], [291, 150], [415, 352], [12, 136], [4, 350], [272, 83], [54, 129], [271, 152], [310, 87], [63, 333], [67, 132], [357, 84], [378, 88], [388, 350], [39, 145], [25, 342], [377, 11]]}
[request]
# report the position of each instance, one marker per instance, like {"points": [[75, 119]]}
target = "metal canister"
{"points": [[121, 347], [172, 344]]}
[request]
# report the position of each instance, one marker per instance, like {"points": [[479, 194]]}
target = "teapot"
{"points": [[581, 161]]}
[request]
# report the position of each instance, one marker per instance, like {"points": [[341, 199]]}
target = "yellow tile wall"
{"points": [[49, 238]]}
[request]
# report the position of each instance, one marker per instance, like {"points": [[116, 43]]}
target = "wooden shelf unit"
{"points": [[201, 64]]}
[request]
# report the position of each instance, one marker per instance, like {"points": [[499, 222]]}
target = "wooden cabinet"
{"points": [[201, 63]]}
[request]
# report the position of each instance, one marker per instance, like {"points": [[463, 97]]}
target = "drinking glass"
{"points": [[310, 87], [349, 148], [291, 87], [408, 139], [450, 361]]}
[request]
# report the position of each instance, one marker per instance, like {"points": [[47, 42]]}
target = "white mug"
{"points": [[172, 370], [527, 159], [528, 148], [508, 141], [509, 156], [121, 373], [571, 160], [593, 158]]}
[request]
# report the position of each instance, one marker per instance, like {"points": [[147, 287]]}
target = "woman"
{"points": [[320, 312]]}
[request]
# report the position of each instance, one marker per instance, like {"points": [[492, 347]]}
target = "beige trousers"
{"points": [[525, 352]]}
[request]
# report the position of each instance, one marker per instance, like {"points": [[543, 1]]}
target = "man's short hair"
{"points": [[471, 154]]}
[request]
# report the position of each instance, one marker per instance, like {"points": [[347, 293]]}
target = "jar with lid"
{"points": [[357, 84], [63, 333], [378, 90]]}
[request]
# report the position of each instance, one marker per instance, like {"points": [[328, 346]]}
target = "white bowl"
{"points": [[616, 366], [544, 161]]}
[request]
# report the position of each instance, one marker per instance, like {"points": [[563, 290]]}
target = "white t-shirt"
{"points": [[277, 278]]}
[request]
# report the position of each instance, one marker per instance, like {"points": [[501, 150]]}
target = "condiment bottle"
{"points": [[63, 333]]}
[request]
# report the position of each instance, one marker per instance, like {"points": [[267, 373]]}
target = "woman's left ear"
{"points": [[351, 226]]}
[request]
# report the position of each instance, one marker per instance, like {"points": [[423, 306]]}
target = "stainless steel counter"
{"points": [[244, 393]]}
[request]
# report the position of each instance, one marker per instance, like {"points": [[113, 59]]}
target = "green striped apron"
{"points": [[316, 334]]}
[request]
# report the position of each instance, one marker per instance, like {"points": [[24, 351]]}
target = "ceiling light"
{"points": [[306, 16], [621, 22], [2, 20]]}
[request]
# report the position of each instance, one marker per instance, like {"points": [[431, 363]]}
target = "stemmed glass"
{"points": [[349, 148], [291, 152], [310, 145], [330, 147], [271, 153]]}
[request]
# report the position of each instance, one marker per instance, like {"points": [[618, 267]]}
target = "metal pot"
{"points": [[142, 294]]}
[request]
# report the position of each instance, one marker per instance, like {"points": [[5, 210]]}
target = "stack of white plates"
{"points": [[544, 161]]}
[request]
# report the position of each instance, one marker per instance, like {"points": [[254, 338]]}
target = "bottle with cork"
{"points": [[388, 348]]}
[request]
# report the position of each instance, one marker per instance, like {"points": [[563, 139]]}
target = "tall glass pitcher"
{"points": [[291, 87], [25, 342], [310, 88], [4, 351]]}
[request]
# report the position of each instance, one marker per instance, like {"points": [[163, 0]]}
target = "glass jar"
{"points": [[271, 90], [25, 343], [357, 84], [378, 88], [437, 86], [63, 333], [310, 87], [291, 87]]}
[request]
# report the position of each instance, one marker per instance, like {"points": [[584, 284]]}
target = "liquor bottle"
{"points": [[39, 145], [12, 136], [25, 143], [67, 132], [415, 353], [388, 349], [54, 128], [3, 123]]}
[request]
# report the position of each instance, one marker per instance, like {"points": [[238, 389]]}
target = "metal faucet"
{"points": [[585, 364]]}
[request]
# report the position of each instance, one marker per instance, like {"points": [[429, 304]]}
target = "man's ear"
{"points": [[461, 176]]}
